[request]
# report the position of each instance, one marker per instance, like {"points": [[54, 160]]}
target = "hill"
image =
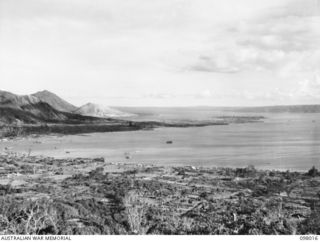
{"points": [[95, 110], [27, 114], [16, 116], [55, 101], [8, 99], [29, 109], [41, 113]]}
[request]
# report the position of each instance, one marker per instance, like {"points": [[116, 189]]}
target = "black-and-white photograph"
{"points": [[159, 117]]}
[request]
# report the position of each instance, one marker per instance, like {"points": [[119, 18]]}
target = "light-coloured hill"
{"points": [[96, 110]]}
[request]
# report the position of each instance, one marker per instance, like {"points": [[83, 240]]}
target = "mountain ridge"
{"points": [[47, 107], [9, 99], [29, 109], [55, 101]]}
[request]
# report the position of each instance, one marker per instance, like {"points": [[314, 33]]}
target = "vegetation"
{"points": [[90, 196], [14, 131], [91, 127]]}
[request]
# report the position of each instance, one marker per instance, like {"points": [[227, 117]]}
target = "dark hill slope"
{"points": [[8, 99], [30, 109], [41, 113], [14, 116]]}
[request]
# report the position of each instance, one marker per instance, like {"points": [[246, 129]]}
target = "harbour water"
{"points": [[281, 141]]}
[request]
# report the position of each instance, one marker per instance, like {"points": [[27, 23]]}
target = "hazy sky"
{"points": [[163, 52]]}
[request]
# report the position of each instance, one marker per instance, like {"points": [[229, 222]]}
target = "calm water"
{"points": [[283, 141]]}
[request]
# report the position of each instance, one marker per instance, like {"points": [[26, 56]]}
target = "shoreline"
{"points": [[32, 145], [114, 125], [152, 163]]}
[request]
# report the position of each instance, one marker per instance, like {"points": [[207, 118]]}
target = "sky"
{"points": [[163, 52]]}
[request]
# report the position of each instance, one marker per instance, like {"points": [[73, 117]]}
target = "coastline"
{"points": [[67, 129], [114, 125]]}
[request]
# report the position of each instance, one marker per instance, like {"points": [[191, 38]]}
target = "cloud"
{"points": [[309, 88], [306, 91], [273, 41], [164, 96], [181, 50], [221, 65], [205, 94]]}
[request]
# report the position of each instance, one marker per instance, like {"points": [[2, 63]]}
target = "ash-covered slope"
{"points": [[95, 110]]}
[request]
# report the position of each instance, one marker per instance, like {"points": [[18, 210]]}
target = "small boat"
{"points": [[169, 142]]}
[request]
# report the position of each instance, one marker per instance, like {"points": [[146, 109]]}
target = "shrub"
{"points": [[27, 217], [311, 225], [313, 172]]}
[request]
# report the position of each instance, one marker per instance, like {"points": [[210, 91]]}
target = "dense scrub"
{"points": [[14, 131], [90, 196]]}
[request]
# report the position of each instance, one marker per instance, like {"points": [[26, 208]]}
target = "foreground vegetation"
{"points": [[40, 195]]}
